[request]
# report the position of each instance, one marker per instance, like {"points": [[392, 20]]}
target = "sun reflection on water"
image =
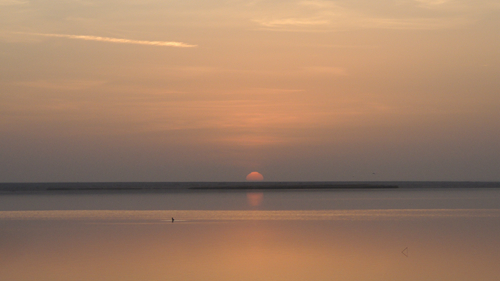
{"points": [[250, 245], [254, 199]]}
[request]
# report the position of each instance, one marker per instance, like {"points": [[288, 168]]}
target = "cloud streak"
{"points": [[116, 40], [292, 21], [325, 16], [12, 2]]}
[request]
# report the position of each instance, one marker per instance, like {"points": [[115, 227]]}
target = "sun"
{"points": [[255, 176]]}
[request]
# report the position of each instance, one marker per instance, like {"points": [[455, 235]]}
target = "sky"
{"points": [[191, 90]]}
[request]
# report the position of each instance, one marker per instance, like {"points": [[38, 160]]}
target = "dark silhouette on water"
{"points": [[138, 187], [159, 187], [405, 252], [172, 220]]}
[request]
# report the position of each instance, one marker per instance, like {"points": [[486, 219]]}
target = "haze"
{"points": [[212, 90]]}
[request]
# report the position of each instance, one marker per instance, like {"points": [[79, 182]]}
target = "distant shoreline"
{"points": [[293, 186], [139, 187], [182, 186]]}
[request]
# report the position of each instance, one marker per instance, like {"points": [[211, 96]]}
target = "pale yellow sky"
{"points": [[212, 90]]}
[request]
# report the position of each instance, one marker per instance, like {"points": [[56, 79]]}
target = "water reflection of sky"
{"points": [[473, 198], [183, 216], [450, 244], [250, 245]]}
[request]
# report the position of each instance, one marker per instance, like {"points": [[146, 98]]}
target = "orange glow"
{"points": [[284, 249], [260, 84], [255, 198], [255, 176]]}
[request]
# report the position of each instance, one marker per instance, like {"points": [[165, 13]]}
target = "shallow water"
{"points": [[410, 198], [348, 235]]}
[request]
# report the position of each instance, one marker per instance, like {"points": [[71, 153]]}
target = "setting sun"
{"points": [[255, 176], [321, 90]]}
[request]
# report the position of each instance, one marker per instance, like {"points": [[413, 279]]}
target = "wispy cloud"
{"points": [[61, 85], [115, 40], [292, 21], [326, 70], [12, 2], [413, 24], [321, 15], [433, 2]]}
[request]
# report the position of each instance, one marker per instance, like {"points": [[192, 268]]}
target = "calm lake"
{"points": [[403, 234]]}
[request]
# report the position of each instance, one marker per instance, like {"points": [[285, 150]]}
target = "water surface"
{"points": [[419, 234]]}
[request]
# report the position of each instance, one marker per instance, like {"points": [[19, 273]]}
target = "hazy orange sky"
{"points": [[190, 90]]}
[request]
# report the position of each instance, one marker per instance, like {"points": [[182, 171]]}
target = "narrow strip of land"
{"points": [[181, 186], [291, 186]]}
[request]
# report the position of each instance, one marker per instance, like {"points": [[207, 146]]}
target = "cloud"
{"points": [[12, 2], [414, 24], [326, 70], [61, 85], [292, 22], [433, 2], [317, 3], [325, 16], [115, 40]]}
